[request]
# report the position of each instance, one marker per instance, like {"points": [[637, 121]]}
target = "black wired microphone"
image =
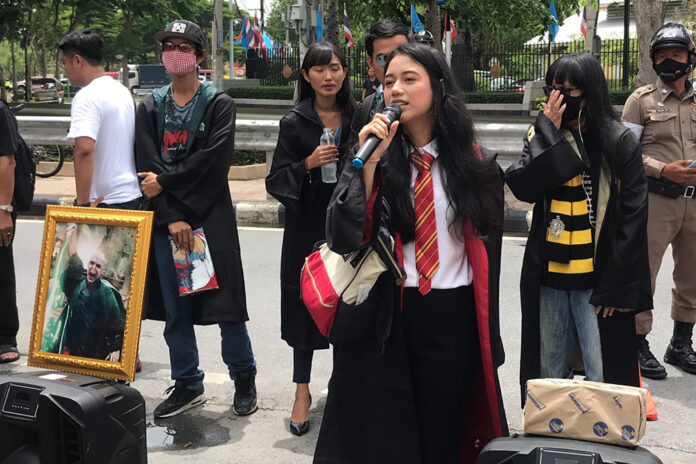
{"points": [[393, 113]]}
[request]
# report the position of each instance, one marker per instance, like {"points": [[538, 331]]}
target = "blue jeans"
{"points": [[564, 317], [179, 332]]}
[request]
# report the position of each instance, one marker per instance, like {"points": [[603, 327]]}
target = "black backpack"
{"points": [[25, 169]]}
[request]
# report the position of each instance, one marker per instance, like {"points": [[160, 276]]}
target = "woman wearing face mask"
{"points": [[183, 141], [422, 386], [585, 271], [297, 180]]}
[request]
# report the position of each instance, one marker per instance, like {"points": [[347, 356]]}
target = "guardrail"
{"points": [[260, 135]]}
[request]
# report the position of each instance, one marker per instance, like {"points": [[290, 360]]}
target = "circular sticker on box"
{"points": [[628, 433], [600, 429], [556, 425]]}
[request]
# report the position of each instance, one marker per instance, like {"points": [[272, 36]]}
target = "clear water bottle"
{"points": [[328, 171]]}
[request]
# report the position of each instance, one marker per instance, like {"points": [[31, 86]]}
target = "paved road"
{"points": [[212, 434]]}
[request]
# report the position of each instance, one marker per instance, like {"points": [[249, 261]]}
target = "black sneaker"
{"points": [[244, 402], [650, 367], [180, 400]]}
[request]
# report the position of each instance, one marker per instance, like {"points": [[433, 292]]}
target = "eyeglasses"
{"points": [[382, 59], [565, 91], [183, 47]]}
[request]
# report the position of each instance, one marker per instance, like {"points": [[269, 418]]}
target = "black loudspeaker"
{"points": [[531, 449], [49, 417]]}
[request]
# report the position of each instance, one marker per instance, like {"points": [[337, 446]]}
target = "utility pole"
{"points": [[591, 30], [263, 23], [626, 56], [218, 46]]}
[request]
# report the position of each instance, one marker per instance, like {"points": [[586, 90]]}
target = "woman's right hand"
{"points": [[323, 154], [378, 127], [554, 108], [182, 234]]}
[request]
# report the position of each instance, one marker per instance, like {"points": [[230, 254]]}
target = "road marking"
{"points": [[31, 221], [264, 229]]}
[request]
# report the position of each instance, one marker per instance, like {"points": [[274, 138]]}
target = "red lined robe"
{"points": [[370, 414]]}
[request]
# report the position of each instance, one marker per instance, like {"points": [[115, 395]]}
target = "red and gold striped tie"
{"points": [[427, 258]]}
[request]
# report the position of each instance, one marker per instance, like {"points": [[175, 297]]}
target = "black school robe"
{"points": [[197, 191], [305, 198], [622, 272], [370, 414]]}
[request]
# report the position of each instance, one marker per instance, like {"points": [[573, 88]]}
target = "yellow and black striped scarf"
{"points": [[570, 252]]}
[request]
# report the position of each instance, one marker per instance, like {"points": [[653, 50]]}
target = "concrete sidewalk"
{"points": [[252, 205]]}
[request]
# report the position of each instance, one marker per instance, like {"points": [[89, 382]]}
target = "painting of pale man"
{"points": [[88, 320]]}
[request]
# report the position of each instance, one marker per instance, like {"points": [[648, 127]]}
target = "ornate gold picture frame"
{"points": [[89, 292]]}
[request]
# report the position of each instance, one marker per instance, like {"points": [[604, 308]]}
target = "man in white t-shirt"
{"points": [[102, 125]]}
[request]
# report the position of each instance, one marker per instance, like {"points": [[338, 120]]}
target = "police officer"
{"points": [[424, 37], [664, 114]]}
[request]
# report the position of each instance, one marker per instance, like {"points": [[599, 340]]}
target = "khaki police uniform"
{"points": [[669, 134]]}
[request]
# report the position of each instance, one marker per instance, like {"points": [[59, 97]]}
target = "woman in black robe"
{"points": [[324, 101], [578, 133], [422, 387]]}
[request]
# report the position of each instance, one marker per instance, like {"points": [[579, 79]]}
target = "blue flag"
{"points": [[416, 24], [553, 28], [320, 26]]}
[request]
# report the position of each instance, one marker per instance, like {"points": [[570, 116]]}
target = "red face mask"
{"points": [[178, 63]]}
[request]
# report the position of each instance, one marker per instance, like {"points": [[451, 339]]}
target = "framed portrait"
{"points": [[89, 292]]}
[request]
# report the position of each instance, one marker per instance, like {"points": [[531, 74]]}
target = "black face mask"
{"points": [[670, 70], [572, 108]]}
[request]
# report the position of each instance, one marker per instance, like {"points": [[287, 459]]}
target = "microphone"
{"points": [[393, 113]]}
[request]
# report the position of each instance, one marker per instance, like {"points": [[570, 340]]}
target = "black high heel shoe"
{"points": [[300, 428]]}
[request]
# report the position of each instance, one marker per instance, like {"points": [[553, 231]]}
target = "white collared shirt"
{"points": [[455, 269]]}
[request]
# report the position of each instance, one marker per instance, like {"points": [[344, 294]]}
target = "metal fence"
{"points": [[498, 67]]}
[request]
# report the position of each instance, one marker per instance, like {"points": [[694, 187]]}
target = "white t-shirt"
{"points": [[103, 110], [455, 269]]}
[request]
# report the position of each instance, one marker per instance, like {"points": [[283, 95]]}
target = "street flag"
{"points": [[449, 26], [257, 33], [320, 26], [416, 24], [583, 23], [346, 29], [553, 28], [251, 35], [268, 42], [242, 38]]}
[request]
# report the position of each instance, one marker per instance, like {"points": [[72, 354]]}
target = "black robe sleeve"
{"points": [[288, 179], [547, 162], [623, 275], [346, 215]]}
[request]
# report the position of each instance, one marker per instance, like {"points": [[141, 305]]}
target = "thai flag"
{"points": [[257, 31], [346, 29], [583, 23], [242, 38], [251, 35]]}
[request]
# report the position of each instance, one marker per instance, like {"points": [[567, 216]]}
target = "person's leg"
{"points": [[664, 221], [178, 329], [586, 326], [9, 318], [442, 341], [239, 358], [302, 370], [680, 351], [556, 333]]}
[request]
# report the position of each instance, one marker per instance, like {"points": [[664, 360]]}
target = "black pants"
{"points": [[442, 345], [9, 317], [302, 365], [131, 204]]}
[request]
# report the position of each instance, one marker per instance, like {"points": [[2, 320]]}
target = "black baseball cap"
{"points": [[184, 29]]}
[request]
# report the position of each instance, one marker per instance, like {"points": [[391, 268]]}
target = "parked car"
{"points": [[44, 89], [516, 86], [500, 82]]}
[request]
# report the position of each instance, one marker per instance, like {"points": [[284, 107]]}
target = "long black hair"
{"points": [[321, 54], [471, 183], [584, 71]]}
